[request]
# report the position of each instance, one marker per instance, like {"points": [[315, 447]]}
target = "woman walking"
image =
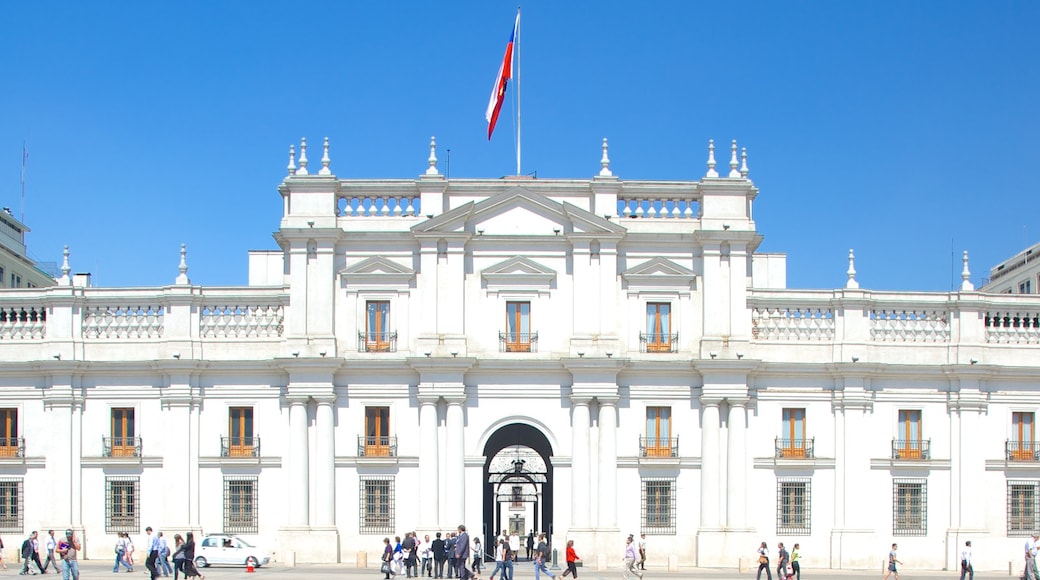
{"points": [[178, 556], [795, 567], [763, 562], [189, 558], [630, 560], [572, 560], [478, 556], [388, 559]]}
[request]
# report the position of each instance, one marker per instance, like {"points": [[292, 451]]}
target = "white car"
{"points": [[225, 549]]}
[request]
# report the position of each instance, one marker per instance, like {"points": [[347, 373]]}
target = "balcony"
{"points": [[659, 447], [377, 446], [795, 448], [518, 342], [377, 342], [12, 447], [911, 449], [1021, 450], [240, 447], [121, 447], [657, 342]]}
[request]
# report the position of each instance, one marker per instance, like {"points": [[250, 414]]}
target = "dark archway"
{"points": [[517, 435]]}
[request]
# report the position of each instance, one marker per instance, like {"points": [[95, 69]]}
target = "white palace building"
{"points": [[590, 357]]}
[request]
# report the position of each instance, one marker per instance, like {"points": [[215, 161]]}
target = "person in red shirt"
{"points": [[572, 558]]}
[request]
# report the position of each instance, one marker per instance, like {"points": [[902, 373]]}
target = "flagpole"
{"points": [[518, 90], [25, 157]]}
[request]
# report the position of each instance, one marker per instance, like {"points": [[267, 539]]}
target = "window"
{"points": [[377, 431], [518, 327], [1021, 446], [377, 326], [1025, 287], [122, 503], [659, 506], [792, 440], [9, 443], [908, 439], [240, 505], [658, 432], [123, 443], [1, 276], [909, 507], [377, 505], [240, 432], [659, 327], [517, 502], [1023, 512], [11, 505], [793, 506]]}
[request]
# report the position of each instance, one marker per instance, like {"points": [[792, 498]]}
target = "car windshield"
{"points": [[243, 543]]}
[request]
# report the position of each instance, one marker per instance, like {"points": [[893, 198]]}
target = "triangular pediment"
{"points": [[518, 273], [377, 272], [659, 272]]}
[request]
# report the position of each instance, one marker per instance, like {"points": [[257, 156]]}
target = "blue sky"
{"points": [[906, 130]]}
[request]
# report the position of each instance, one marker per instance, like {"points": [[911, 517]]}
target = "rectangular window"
{"points": [[793, 440], [518, 327], [909, 507], [1025, 287], [793, 503], [2, 276], [518, 498], [377, 326], [658, 431], [123, 439], [9, 433], [122, 505], [659, 506], [17, 281], [659, 327], [1023, 513], [909, 436], [240, 507], [11, 505], [377, 431], [1021, 447], [377, 505], [240, 432]]}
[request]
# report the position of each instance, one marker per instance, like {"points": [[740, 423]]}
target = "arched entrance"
{"points": [[518, 484]]}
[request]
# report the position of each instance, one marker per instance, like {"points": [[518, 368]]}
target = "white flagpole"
{"points": [[518, 90], [25, 157]]}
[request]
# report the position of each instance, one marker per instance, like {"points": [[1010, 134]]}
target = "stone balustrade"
{"points": [[658, 207]]}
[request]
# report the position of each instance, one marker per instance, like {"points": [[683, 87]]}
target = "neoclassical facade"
{"points": [[590, 357]]}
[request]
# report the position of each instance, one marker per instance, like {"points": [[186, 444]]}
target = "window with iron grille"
{"points": [[240, 505], [659, 506], [909, 507], [1023, 515], [377, 505], [793, 506], [11, 505], [122, 504]]}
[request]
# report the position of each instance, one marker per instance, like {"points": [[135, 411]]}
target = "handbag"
{"points": [[385, 568], [763, 560]]}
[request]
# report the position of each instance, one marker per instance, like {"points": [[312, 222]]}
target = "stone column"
{"points": [[580, 463], [454, 464], [428, 465], [325, 463], [736, 481], [710, 464], [608, 464], [298, 464]]}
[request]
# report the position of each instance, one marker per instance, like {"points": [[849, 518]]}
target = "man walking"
{"points": [[50, 545], [782, 558], [153, 553], [440, 555], [540, 554], [629, 568], [462, 553], [30, 548], [1031, 557], [68, 551], [966, 562], [449, 549]]}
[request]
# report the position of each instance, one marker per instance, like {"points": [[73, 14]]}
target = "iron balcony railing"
{"points": [[12, 446], [377, 342], [518, 342], [1021, 450], [658, 342], [377, 446], [120, 446], [911, 449], [658, 446], [795, 448], [240, 447]]}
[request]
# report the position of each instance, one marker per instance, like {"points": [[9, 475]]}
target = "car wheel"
{"points": [[200, 562], [251, 561]]}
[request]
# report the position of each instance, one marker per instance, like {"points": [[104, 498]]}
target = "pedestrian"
{"points": [[541, 552], [189, 558], [629, 568], [120, 549], [530, 544], [572, 560], [68, 551], [763, 562], [408, 554], [388, 558], [892, 561], [478, 555], [449, 548], [50, 545], [795, 566], [462, 553], [504, 556], [152, 550], [966, 567], [29, 555], [440, 556], [178, 555], [398, 555], [164, 554], [129, 553], [642, 551], [2, 563], [782, 559], [1030, 573]]}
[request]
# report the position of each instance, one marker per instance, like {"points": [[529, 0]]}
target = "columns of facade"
{"points": [[454, 463], [607, 464], [580, 463], [839, 469], [59, 455], [710, 464], [177, 404], [428, 464], [298, 464], [736, 480], [325, 463]]}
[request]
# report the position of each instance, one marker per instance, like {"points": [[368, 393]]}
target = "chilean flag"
{"points": [[505, 72]]}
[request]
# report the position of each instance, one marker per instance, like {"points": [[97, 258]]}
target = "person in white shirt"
{"points": [[426, 553], [966, 562], [1031, 557], [50, 546], [153, 553]]}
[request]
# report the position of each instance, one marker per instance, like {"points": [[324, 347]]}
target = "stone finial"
{"points": [[292, 160], [432, 160], [605, 162], [303, 157], [743, 162], [66, 269], [852, 283], [733, 164], [711, 160], [325, 161], [966, 285], [182, 278]]}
